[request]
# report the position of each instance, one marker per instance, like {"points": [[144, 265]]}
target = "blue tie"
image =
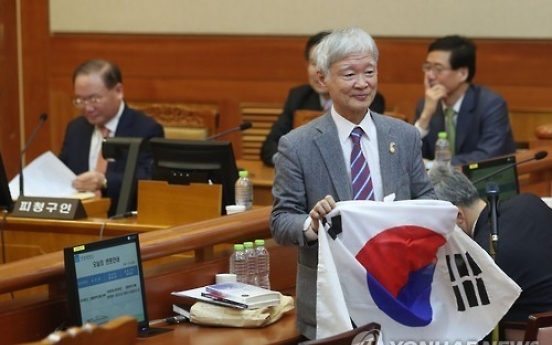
{"points": [[360, 172]]}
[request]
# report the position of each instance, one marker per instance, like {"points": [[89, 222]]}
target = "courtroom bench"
{"points": [[30, 318]]}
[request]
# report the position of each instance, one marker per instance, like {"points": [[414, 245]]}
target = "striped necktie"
{"points": [[360, 172]]}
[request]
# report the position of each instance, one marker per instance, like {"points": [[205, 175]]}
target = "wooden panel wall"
{"points": [[227, 70], [236, 69], [9, 120]]}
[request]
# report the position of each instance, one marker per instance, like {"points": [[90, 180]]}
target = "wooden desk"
{"points": [[28, 318], [262, 177], [96, 207], [535, 176], [27, 237]]}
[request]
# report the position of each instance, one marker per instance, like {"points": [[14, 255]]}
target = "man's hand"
{"points": [[320, 210], [433, 95], [89, 181]]}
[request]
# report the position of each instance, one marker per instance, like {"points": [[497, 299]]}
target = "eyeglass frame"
{"points": [[437, 69], [94, 100]]}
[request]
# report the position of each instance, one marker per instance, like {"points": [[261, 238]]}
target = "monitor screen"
{"points": [[105, 281], [501, 171], [6, 201], [187, 161]]}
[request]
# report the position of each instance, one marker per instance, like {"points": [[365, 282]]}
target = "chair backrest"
{"points": [[187, 121], [261, 116], [366, 335], [121, 331], [303, 116], [524, 121], [539, 328]]}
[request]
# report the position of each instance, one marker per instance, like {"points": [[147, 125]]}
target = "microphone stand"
{"points": [[493, 199], [493, 195], [538, 156], [242, 127], [42, 119]]}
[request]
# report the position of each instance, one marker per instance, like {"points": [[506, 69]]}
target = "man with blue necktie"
{"points": [[349, 152], [311, 96]]}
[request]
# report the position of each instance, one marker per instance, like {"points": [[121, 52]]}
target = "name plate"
{"points": [[49, 208]]}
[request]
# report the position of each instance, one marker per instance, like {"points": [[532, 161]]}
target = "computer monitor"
{"points": [[6, 201], [105, 281], [501, 171], [187, 161]]}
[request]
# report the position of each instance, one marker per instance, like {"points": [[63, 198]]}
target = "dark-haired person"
{"points": [[311, 96], [98, 93], [524, 237], [474, 117]]}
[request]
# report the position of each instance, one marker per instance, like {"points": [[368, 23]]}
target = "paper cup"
{"points": [[225, 278], [234, 209]]}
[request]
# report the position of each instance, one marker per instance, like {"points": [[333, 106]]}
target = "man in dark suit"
{"points": [[98, 92], [524, 237], [314, 166], [311, 96], [475, 118]]}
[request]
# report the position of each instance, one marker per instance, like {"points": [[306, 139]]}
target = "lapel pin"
{"points": [[392, 147]]}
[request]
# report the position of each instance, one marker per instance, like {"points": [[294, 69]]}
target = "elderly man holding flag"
{"points": [[353, 153]]}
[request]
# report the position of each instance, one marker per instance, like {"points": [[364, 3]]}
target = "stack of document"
{"points": [[47, 176], [234, 295]]}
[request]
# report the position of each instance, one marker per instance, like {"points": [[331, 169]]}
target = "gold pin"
{"points": [[392, 147]]}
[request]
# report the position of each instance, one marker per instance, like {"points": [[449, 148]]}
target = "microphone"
{"points": [[493, 195], [43, 117], [538, 156], [242, 127]]}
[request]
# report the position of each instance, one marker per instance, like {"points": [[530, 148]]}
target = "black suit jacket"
{"points": [[76, 148], [300, 97], [524, 251]]}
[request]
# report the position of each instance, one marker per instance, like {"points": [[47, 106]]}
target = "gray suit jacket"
{"points": [[310, 165]]}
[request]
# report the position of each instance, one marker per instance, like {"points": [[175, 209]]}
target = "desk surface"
{"points": [[261, 174]]}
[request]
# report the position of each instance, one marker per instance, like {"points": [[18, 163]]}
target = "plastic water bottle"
{"points": [[244, 190], [250, 264], [237, 263], [442, 148], [263, 264]]}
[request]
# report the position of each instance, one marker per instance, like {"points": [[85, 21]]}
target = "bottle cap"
{"points": [[243, 173], [442, 135], [238, 246], [248, 244], [259, 242]]}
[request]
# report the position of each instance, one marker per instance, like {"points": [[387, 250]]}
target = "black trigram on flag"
{"points": [[466, 281]]}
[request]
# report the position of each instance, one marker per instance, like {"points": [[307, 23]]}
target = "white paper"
{"points": [[46, 176]]}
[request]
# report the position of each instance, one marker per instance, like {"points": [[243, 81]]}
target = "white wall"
{"points": [[384, 18]]}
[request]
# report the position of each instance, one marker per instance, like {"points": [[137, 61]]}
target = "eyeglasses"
{"points": [[83, 102], [436, 69]]}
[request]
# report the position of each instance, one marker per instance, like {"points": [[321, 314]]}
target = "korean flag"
{"points": [[406, 266]]}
